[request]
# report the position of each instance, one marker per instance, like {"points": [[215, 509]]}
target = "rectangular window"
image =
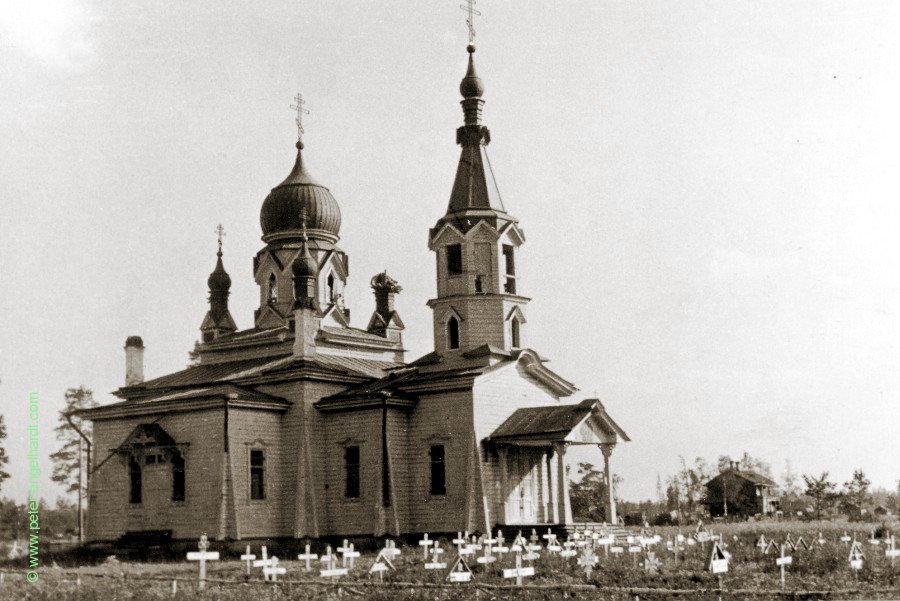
{"points": [[150, 459], [135, 484], [454, 259], [178, 477], [351, 469], [509, 255], [438, 470], [257, 474]]}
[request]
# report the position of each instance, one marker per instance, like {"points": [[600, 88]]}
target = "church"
{"points": [[304, 426]]}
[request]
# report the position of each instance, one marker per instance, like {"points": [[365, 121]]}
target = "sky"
{"points": [[709, 192]]}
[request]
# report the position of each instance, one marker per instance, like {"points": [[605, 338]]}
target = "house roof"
{"points": [[750, 476], [553, 422]]}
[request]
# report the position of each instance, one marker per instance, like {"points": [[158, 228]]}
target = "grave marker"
{"points": [[248, 557], [263, 563], [587, 561], [350, 554], [425, 543], [892, 551], [845, 538], [331, 570], [274, 570], [307, 557], [487, 557], [518, 572], [651, 563], [568, 550], [383, 561], [771, 547], [821, 540], [801, 542], [501, 548], [718, 563], [762, 543], [203, 556], [436, 563], [460, 572], [857, 557], [784, 560]]}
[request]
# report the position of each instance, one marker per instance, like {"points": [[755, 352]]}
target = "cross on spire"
{"points": [[220, 232], [469, 7], [298, 99]]}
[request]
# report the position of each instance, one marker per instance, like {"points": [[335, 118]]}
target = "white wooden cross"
{"points": [[203, 556], [501, 547], [264, 563], [892, 551], [350, 555], [331, 570], [634, 550], [519, 543], [845, 538], [718, 562], [762, 543], [436, 563], [518, 572], [248, 557], [274, 570], [873, 540], [343, 550], [784, 560], [651, 563], [425, 543], [821, 539], [568, 550], [587, 561], [459, 541], [307, 557], [487, 557], [475, 545]]}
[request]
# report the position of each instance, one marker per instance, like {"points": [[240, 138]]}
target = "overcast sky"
{"points": [[709, 192]]}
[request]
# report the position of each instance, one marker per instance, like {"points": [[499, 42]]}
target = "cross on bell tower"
{"points": [[298, 106]]}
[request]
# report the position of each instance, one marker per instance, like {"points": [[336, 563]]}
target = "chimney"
{"points": [[134, 361]]}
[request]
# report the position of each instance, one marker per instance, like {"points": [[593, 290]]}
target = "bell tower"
{"points": [[476, 245]]}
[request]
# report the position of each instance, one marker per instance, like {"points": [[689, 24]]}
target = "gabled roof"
{"points": [[552, 422], [750, 476]]}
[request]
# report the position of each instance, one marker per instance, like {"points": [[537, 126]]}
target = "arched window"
{"points": [[272, 290], [514, 332], [329, 287], [134, 476], [452, 333], [178, 477]]}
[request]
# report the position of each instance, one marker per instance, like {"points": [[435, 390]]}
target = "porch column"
{"points": [[554, 485], [606, 448], [566, 507]]}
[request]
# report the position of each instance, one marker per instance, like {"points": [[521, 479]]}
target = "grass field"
{"points": [[814, 573]]}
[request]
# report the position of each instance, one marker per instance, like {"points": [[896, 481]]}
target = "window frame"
{"points": [[176, 457], [454, 259], [262, 468], [437, 466], [272, 289], [353, 492], [509, 269], [453, 338], [134, 462]]}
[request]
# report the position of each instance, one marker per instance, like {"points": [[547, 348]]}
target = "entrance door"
{"points": [[521, 502]]}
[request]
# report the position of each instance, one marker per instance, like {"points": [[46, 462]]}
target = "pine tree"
{"points": [[68, 459]]}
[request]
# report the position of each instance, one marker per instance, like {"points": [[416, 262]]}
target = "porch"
{"points": [[530, 476]]}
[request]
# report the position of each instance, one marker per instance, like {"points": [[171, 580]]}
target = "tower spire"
{"points": [[218, 320]]}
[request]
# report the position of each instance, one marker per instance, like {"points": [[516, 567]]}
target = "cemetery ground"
{"points": [[822, 571]]}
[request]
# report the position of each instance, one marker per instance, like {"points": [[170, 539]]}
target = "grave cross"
{"points": [[762, 543], [568, 550], [390, 550], [350, 554], [651, 563], [459, 541], [892, 551], [821, 540], [436, 563], [331, 570], [383, 561], [501, 547], [203, 556], [784, 560], [307, 557], [248, 557], [264, 563], [425, 543], [518, 572], [487, 557], [857, 557], [343, 550], [274, 570]]}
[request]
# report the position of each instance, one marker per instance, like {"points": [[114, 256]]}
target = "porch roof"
{"points": [[556, 423]]}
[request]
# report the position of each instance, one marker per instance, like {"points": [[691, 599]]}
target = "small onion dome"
{"points": [[219, 280], [297, 195], [134, 341], [305, 265], [471, 85]]}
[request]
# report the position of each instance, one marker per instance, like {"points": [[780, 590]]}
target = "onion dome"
{"points": [[305, 271], [297, 195], [305, 265], [471, 85], [219, 280], [134, 341]]}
